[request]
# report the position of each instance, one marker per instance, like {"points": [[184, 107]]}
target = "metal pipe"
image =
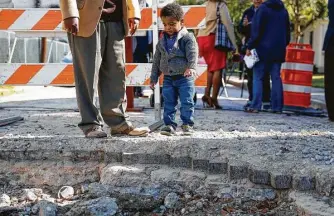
{"points": [[12, 51], [43, 50], [157, 102]]}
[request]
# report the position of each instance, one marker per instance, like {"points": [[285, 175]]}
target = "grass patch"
{"points": [[318, 81], [6, 90]]}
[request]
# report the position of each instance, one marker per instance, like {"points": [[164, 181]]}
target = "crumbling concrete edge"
{"points": [[235, 169]]}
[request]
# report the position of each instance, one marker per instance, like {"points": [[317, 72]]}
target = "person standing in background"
{"points": [[270, 36], [215, 59], [329, 62], [244, 28]]}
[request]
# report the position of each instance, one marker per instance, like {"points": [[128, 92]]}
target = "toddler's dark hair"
{"points": [[172, 10]]}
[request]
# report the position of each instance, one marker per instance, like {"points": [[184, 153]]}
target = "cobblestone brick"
{"points": [[259, 176], [303, 182], [142, 158], [280, 180], [237, 170], [200, 164], [218, 167], [184, 162]]}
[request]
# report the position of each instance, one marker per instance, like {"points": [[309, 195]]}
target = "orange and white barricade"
{"points": [[45, 22], [62, 74], [297, 74], [45, 19]]}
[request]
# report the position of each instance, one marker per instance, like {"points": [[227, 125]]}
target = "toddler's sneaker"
{"points": [[187, 130], [167, 130]]}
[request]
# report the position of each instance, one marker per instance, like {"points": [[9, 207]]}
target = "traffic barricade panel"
{"points": [[62, 74]]}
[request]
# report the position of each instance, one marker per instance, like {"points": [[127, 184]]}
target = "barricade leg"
{"points": [[12, 51], [130, 89]]}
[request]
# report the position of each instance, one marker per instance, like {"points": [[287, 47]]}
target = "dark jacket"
{"points": [[270, 32], [246, 30], [330, 31]]}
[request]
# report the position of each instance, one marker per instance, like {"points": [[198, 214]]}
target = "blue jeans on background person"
{"points": [[175, 87], [259, 70]]}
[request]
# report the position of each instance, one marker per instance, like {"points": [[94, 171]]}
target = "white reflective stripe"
{"points": [[297, 88], [139, 74], [297, 66], [202, 24], [28, 20], [6, 71], [60, 26], [47, 74], [142, 72]]}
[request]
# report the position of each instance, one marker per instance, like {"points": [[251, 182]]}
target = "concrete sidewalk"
{"points": [[263, 147], [317, 95]]}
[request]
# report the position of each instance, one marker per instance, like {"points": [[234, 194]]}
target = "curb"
{"points": [[316, 104], [235, 170]]}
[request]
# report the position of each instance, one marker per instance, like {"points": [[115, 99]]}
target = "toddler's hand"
{"points": [[189, 73]]}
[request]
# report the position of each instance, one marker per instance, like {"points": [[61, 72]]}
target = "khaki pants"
{"points": [[99, 66]]}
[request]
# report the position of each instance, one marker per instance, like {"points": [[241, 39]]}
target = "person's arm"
{"points": [[256, 31], [241, 27], [155, 73], [69, 9], [227, 21], [133, 15], [191, 49], [133, 9], [70, 15]]}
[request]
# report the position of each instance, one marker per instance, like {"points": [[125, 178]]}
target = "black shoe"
{"points": [[275, 111], [251, 110], [247, 105]]}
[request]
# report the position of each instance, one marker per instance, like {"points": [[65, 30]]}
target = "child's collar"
{"points": [[183, 31]]}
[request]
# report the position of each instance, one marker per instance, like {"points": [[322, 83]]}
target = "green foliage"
{"points": [[305, 12], [318, 81], [237, 8]]}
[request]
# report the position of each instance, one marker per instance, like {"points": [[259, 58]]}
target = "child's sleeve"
{"points": [[192, 52], [155, 73]]}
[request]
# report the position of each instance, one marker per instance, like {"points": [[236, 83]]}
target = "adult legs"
{"points": [[86, 61], [277, 87]]}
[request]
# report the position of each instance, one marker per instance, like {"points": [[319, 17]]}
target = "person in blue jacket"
{"points": [[329, 62], [244, 28], [270, 34]]}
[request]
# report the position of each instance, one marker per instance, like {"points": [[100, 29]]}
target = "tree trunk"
{"points": [[297, 22]]}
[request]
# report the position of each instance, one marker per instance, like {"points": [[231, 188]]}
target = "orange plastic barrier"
{"points": [[297, 74]]}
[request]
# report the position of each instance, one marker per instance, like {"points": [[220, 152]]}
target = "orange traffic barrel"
{"points": [[297, 74]]}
